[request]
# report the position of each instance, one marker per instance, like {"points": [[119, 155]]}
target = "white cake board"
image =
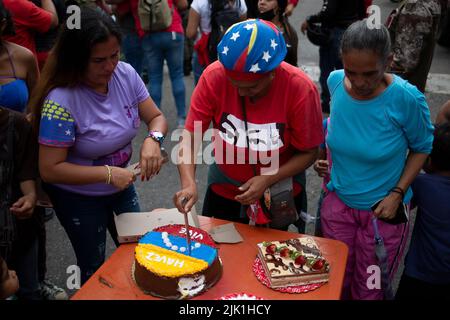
{"points": [[131, 226]]}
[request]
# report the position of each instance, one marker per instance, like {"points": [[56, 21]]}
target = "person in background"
{"points": [[427, 268], [165, 46], [131, 43], [18, 69], [9, 283], [336, 15], [188, 42], [18, 225], [45, 41], [413, 35], [19, 75], [28, 19], [87, 109], [199, 28], [273, 10], [253, 11], [323, 167], [93, 4], [368, 186]]}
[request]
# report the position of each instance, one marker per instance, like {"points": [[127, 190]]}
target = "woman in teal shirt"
{"points": [[379, 135]]}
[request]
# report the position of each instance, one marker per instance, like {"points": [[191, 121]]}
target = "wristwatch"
{"points": [[156, 135]]}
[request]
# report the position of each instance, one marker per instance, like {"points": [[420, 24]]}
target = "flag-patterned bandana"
{"points": [[251, 47]]}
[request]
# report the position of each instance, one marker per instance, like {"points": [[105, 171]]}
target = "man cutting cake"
{"points": [[250, 90]]}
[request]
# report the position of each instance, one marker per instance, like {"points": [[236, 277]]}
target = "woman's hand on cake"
{"points": [[253, 190], [151, 159], [121, 178], [185, 199]]}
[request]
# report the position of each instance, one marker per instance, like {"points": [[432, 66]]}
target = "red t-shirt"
{"points": [[287, 119], [176, 25], [27, 18]]}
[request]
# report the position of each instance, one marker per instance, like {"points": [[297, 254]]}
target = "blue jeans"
{"points": [[85, 220], [132, 49], [329, 61], [167, 46]]}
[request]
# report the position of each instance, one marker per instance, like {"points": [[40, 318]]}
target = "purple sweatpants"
{"points": [[354, 228]]}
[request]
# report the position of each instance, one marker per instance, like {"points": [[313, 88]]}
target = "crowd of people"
{"points": [[64, 90]]}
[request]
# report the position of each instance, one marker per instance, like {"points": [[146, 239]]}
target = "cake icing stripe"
{"points": [[167, 262], [196, 234], [178, 245]]}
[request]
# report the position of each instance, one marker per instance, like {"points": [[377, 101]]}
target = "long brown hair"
{"points": [[68, 61]]}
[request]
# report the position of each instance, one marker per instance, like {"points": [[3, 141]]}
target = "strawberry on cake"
{"points": [[293, 262]]}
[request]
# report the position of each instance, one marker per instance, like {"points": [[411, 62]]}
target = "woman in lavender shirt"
{"points": [[88, 108]]}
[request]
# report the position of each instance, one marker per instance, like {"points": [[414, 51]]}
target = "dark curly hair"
{"points": [[5, 16], [440, 155]]}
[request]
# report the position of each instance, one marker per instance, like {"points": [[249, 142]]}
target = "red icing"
{"points": [[197, 235]]}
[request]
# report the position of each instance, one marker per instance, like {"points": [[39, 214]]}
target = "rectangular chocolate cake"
{"points": [[293, 262]]}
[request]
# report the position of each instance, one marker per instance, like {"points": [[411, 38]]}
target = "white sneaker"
{"points": [[49, 291]]}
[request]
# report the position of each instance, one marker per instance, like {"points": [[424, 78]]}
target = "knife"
{"points": [[184, 200]]}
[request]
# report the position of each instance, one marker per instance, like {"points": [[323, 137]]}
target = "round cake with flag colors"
{"points": [[165, 268]]}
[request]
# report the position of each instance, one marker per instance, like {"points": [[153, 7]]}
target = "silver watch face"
{"points": [[157, 134]]}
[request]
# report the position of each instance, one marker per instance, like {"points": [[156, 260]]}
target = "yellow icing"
{"points": [[167, 263]]}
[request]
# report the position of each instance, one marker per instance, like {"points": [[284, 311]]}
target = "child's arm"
{"points": [[321, 164], [24, 207]]}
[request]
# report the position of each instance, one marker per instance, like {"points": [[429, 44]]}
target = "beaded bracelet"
{"points": [[399, 191], [108, 179]]}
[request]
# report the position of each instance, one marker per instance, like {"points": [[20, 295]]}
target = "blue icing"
{"points": [[204, 252]]}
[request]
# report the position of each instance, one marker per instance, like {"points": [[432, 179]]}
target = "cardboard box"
{"points": [[131, 226]]}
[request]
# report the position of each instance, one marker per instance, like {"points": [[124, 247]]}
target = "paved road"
{"points": [[158, 193]]}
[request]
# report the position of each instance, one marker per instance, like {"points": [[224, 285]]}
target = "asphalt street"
{"points": [[158, 192]]}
